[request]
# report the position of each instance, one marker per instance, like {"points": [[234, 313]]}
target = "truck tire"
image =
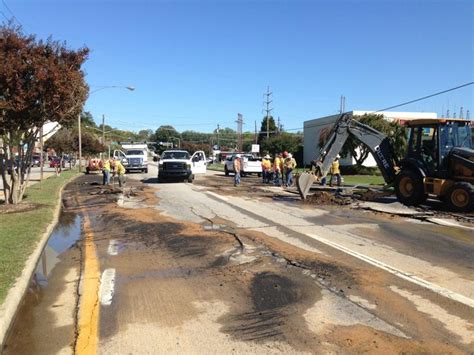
{"points": [[226, 171], [409, 188], [460, 197], [190, 179], [146, 171]]}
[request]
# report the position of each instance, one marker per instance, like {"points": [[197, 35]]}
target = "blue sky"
{"points": [[196, 64]]}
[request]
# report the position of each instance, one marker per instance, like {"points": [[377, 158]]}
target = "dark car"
{"points": [[36, 160]]}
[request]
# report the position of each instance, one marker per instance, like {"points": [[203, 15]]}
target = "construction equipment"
{"points": [[439, 161]]}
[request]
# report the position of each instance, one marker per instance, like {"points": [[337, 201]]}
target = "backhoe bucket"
{"points": [[304, 183]]}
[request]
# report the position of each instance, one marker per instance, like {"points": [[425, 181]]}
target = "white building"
{"points": [[313, 128]]}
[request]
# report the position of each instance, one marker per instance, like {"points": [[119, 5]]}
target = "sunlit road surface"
{"points": [[206, 268]]}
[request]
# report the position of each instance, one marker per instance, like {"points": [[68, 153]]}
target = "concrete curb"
{"points": [[15, 295]]}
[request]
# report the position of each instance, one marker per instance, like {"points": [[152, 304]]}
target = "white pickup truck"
{"points": [[179, 165], [250, 164]]}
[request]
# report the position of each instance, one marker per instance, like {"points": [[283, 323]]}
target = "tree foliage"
{"points": [[284, 142], [272, 129], [40, 81], [165, 133]]}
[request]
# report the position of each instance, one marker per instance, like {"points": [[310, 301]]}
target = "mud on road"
{"points": [[185, 287]]}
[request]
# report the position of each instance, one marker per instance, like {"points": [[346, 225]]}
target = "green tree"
{"points": [[87, 119], [40, 81], [165, 133], [145, 134], [284, 142], [272, 129]]}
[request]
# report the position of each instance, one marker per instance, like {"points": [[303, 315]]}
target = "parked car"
{"points": [[251, 164], [55, 161], [35, 160]]}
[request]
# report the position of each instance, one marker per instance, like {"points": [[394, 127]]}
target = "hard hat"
{"points": [[237, 155], [338, 156], [267, 156], [290, 155]]}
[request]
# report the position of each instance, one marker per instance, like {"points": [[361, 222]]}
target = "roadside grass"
{"points": [[363, 180], [216, 167], [20, 231]]}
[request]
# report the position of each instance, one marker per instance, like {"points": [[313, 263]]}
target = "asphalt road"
{"points": [[201, 268]]}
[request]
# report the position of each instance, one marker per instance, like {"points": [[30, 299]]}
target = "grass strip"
{"points": [[21, 231]]}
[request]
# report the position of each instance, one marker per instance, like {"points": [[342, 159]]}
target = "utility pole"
{"points": [[218, 128], [240, 122], [268, 109], [467, 115], [80, 141], [447, 113], [342, 107], [256, 136], [103, 130], [278, 125], [461, 112]]}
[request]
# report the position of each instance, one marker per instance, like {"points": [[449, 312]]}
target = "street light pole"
{"points": [[103, 130], [80, 141]]}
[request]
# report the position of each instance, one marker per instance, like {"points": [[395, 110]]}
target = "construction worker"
{"points": [[290, 165], [266, 169], [277, 168], [237, 167], [119, 170], [106, 172], [334, 171]]}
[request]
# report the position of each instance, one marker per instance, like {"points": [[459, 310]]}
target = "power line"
{"points": [[427, 97], [11, 12]]}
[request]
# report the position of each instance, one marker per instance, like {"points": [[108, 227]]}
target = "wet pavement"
{"points": [[206, 268], [44, 322]]}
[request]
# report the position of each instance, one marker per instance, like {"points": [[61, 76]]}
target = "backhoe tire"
{"points": [[409, 188], [460, 197], [226, 171]]}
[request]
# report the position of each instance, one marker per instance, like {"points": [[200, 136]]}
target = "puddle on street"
{"points": [[35, 307], [64, 236]]}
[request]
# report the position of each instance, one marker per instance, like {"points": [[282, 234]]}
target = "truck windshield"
{"points": [[135, 152], [175, 155]]}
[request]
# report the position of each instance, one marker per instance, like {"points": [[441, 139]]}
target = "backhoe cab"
{"points": [[439, 160]]}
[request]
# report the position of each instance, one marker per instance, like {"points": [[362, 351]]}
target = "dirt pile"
{"points": [[326, 198]]}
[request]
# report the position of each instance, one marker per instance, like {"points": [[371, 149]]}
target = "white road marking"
{"points": [[113, 247], [107, 287], [414, 279], [217, 196]]}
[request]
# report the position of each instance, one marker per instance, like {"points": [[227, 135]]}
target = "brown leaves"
{"points": [[39, 81]]}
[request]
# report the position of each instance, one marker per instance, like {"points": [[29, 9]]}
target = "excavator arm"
{"points": [[376, 142]]}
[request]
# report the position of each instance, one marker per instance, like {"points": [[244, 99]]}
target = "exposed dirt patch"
{"points": [[360, 339], [326, 198]]}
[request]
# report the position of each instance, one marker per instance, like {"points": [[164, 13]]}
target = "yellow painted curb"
{"points": [[89, 307]]}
